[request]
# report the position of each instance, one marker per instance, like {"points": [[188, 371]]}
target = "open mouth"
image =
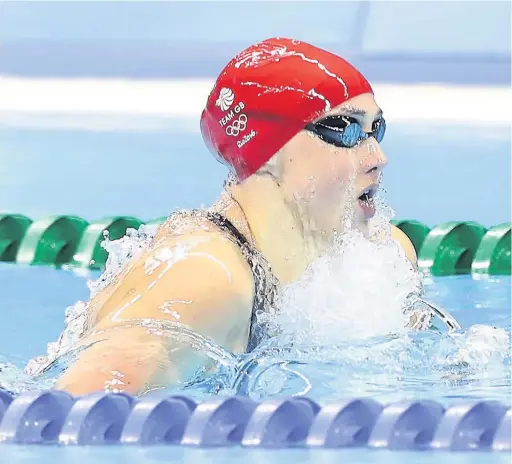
{"points": [[368, 194], [366, 201]]}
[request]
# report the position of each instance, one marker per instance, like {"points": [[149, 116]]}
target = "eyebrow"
{"points": [[357, 112]]}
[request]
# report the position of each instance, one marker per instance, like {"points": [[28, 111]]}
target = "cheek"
{"points": [[319, 173], [339, 172]]}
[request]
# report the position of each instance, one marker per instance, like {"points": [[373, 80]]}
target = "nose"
{"points": [[375, 159]]}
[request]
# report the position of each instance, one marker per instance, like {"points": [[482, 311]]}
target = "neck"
{"points": [[260, 211]]}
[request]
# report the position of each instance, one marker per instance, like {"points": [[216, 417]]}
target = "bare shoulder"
{"points": [[406, 244], [199, 279], [199, 259]]}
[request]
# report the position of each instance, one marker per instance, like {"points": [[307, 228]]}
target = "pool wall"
{"points": [[401, 42]]}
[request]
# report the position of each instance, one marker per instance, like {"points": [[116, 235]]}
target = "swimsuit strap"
{"points": [[265, 283], [226, 225]]}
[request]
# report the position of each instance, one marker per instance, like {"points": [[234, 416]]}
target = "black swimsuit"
{"points": [[265, 282]]}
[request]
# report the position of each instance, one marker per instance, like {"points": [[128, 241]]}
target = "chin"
{"points": [[364, 227]]}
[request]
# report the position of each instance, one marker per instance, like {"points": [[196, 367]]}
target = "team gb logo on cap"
{"points": [[226, 99]]}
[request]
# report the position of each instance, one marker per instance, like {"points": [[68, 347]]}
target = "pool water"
{"points": [[33, 302], [142, 174], [421, 365], [154, 455]]}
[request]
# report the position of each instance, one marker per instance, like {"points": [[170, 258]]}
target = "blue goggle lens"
{"points": [[345, 132]]}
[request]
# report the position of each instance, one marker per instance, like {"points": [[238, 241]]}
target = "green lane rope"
{"points": [[446, 249]]}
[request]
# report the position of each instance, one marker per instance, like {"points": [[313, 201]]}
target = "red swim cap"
{"points": [[267, 94]]}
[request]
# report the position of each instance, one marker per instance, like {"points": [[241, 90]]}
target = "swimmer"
{"points": [[300, 131]]}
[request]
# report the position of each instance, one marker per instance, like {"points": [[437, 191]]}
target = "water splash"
{"points": [[74, 328], [338, 332], [120, 253], [426, 364], [357, 291]]}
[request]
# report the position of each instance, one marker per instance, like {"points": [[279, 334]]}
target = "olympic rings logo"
{"points": [[237, 126]]}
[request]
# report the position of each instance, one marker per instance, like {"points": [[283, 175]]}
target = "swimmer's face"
{"points": [[328, 182]]}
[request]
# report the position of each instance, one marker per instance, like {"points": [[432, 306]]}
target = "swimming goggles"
{"points": [[346, 132]]}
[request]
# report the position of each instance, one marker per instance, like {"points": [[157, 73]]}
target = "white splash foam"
{"points": [[481, 345], [359, 291], [120, 252]]}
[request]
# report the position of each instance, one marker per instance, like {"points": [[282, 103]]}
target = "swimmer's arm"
{"points": [[219, 308], [129, 360], [117, 360], [406, 244]]}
